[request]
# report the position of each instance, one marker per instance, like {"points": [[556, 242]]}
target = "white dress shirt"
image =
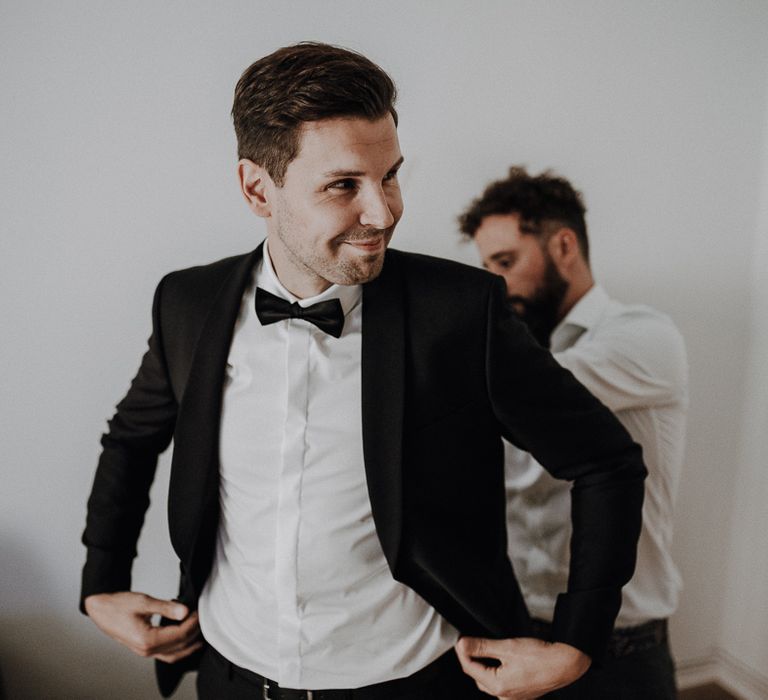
{"points": [[633, 359], [300, 591]]}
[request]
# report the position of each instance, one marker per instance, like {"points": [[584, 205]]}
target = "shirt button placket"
{"points": [[289, 504]]}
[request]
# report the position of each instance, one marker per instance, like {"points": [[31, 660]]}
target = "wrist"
{"points": [[573, 662]]}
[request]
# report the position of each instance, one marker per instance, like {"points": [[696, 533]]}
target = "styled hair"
{"points": [[303, 83], [543, 202]]}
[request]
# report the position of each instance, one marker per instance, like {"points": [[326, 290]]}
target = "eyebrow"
{"points": [[359, 173]]}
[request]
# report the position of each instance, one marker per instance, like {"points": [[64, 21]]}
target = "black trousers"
{"points": [[638, 666], [219, 679]]}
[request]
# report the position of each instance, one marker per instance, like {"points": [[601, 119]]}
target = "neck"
{"points": [[301, 283], [581, 283]]}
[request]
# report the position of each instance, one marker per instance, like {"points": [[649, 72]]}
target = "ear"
{"points": [[563, 248], [256, 186]]}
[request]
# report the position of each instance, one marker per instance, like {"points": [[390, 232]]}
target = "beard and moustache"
{"points": [[540, 311]]}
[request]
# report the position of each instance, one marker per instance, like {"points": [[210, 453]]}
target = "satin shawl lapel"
{"points": [[383, 387], [194, 472]]}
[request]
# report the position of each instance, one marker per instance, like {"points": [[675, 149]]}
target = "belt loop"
{"points": [[310, 695], [265, 690]]}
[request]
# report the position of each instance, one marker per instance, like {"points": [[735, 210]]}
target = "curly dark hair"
{"points": [[543, 202], [302, 83]]}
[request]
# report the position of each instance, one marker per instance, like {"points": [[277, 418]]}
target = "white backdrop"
{"points": [[118, 165]]}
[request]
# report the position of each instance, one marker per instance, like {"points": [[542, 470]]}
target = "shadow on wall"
{"points": [[47, 653], [59, 659]]}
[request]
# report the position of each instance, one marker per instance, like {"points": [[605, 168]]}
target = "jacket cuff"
{"points": [[104, 572], [585, 619]]}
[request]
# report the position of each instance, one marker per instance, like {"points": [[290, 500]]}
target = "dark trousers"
{"points": [[637, 666], [219, 679]]}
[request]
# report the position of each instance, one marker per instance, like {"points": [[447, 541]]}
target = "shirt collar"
{"points": [[586, 313], [266, 278]]}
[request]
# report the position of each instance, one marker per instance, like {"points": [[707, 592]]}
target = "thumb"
{"points": [[167, 608]]}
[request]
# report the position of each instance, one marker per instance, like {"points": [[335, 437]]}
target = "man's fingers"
{"points": [[107, 608], [470, 650], [468, 647], [528, 668], [173, 651], [169, 639], [172, 636], [171, 609], [478, 647], [151, 643], [192, 623], [126, 616], [171, 658]]}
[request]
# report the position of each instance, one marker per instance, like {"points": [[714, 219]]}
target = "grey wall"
{"points": [[118, 165]]}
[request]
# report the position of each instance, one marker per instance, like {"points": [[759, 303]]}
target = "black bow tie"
{"points": [[328, 315]]}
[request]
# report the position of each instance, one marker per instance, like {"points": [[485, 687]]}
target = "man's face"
{"points": [[535, 288], [331, 221]]}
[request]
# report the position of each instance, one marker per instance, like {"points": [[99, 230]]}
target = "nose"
{"points": [[376, 210], [510, 282]]}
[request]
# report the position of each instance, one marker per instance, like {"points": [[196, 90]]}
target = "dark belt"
{"points": [[624, 640], [270, 690]]}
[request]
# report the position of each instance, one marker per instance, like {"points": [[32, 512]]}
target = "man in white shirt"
{"points": [[336, 495], [531, 231]]}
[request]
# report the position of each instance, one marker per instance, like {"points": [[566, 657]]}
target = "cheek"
{"points": [[512, 282], [329, 227], [520, 281]]}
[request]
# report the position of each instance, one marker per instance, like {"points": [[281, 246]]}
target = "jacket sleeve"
{"points": [[140, 430], [544, 410]]}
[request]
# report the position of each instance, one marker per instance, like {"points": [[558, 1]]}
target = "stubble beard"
{"points": [[541, 311], [359, 269], [339, 269]]}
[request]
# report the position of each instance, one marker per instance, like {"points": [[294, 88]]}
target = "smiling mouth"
{"points": [[370, 245]]}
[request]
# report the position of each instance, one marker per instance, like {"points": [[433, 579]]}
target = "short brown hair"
{"points": [[306, 82], [541, 201]]}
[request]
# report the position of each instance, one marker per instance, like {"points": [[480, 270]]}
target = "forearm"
{"points": [[575, 437], [139, 431]]}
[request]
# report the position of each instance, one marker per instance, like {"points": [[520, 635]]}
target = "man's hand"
{"points": [[127, 618], [528, 668]]}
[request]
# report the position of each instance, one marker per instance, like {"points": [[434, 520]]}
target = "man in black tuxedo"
{"points": [[337, 495]]}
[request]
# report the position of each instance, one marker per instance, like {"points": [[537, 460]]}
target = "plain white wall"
{"points": [[118, 159], [745, 620]]}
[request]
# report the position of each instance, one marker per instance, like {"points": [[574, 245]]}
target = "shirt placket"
{"points": [[293, 454]]}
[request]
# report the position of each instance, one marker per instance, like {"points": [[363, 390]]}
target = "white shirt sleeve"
{"points": [[637, 361]]}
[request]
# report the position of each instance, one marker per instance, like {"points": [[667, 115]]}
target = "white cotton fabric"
{"points": [[300, 591], [633, 359]]}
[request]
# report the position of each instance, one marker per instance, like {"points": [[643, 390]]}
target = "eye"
{"points": [[506, 263], [391, 175], [347, 184]]}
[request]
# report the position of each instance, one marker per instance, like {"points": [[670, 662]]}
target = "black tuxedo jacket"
{"points": [[446, 371]]}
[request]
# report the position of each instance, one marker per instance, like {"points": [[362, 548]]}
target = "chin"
{"points": [[361, 271]]}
